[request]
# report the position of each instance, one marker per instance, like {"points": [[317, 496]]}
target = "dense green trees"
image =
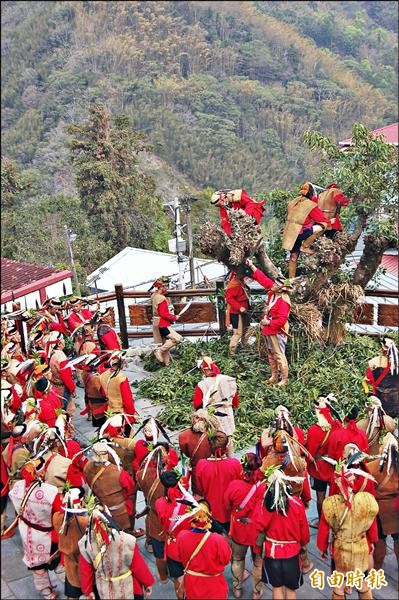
{"points": [[120, 202], [223, 90]]}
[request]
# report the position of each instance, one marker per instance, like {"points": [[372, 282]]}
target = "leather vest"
{"points": [[326, 202], [115, 563], [297, 211], [350, 542], [386, 494], [69, 544], [92, 385], [111, 386], [108, 490], [56, 359]]}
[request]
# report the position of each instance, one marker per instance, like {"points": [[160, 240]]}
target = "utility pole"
{"points": [[180, 244], [187, 207], [71, 237]]}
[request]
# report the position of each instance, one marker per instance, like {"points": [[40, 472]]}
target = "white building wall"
{"points": [[57, 289]]}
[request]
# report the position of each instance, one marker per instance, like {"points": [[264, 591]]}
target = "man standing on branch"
{"points": [[237, 200], [275, 322], [330, 202], [237, 299], [305, 223], [162, 320]]}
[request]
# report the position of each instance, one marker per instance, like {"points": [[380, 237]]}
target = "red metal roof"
{"points": [[23, 278], [390, 133], [390, 263]]}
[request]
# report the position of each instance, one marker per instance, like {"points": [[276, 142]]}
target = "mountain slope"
{"points": [[224, 90]]}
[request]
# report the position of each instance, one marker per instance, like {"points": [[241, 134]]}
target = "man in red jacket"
{"points": [[305, 223], [52, 311], [162, 321], [204, 556], [237, 200], [124, 574], [214, 474], [317, 444], [330, 203], [282, 531], [241, 499], [61, 372], [348, 434], [237, 299], [275, 322], [106, 334], [169, 509]]}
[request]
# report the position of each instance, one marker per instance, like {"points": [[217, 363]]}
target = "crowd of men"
{"points": [[204, 508]]}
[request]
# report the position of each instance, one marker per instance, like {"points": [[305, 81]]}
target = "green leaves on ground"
{"points": [[314, 370]]}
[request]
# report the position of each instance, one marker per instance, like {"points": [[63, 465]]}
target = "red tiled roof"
{"points": [[16, 275], [390, 263], [390, 133]]}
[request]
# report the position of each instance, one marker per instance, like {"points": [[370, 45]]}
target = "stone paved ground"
{"points": [[17, 582]]}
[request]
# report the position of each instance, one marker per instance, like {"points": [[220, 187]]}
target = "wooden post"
{"points": [[122, 315], [221, 307]]}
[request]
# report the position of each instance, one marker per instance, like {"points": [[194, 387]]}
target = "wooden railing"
{"points": [[205, 312]]}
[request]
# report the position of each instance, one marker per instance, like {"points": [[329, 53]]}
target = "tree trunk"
{"points": [[374, 248]]}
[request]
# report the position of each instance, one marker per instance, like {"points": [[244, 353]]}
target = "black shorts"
{"points": [[279, 572], [307, 232], [318, 485], [71, 591], [164, 331], [158, 548], [175, 568]]}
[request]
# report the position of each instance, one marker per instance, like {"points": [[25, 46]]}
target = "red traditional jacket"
{"points": [[278, 309], [252, 208], [350, 434], [315, 216], [236, 296], [57, 323], [242, 529], [142, 449], [285, 535], [167, 510], [317, 443], [339, 200], [204, 577], [213, 477], [108, 338], [77, 318], [166, 317]]}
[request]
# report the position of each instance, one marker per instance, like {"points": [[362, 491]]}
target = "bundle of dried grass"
{"points": [[339, 293], [245, 233], [337, 301], [309, 320]]}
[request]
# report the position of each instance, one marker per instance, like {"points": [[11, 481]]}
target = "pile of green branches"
{"points": [[315, 369]]}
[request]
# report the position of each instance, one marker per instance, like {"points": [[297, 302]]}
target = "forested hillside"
{"points": [[223, 91]]}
